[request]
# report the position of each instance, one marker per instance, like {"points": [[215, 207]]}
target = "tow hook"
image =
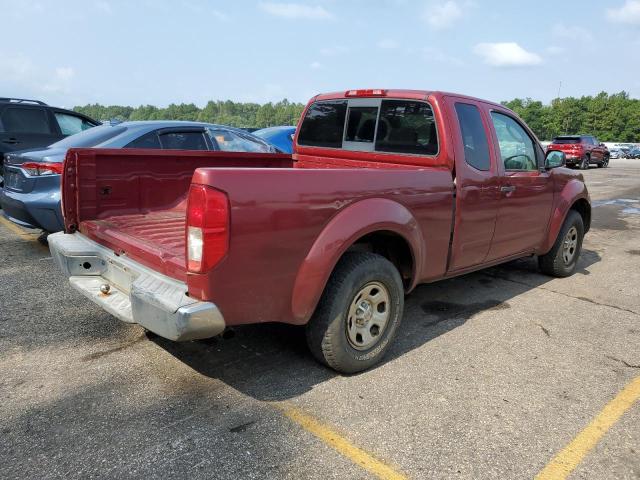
{"points": [[105, 288]]}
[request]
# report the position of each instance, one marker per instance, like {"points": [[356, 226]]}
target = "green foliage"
{"points": [[610, 117], [222, 112]]}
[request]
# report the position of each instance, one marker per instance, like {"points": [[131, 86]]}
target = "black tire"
{"points": [[584, 164], [327, 331], [554, 263]]}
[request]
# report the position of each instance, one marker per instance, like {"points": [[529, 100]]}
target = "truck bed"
{"points": [[134, 201], [151, 238]]}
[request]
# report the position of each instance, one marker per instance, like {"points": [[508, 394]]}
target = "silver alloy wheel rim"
{"points": [[368, 316], [570, 245]]}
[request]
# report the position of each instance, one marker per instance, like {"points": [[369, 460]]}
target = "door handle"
{"points": [[10, 141], [507, 188]]}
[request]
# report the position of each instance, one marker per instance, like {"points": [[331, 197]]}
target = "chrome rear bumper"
{"points": [[135, 293]]}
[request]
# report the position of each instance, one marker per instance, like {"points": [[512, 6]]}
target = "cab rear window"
{"points": [[382, 125], [323, 125]]}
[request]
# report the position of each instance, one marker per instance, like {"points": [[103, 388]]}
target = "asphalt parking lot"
{"points": [[492, 375]]}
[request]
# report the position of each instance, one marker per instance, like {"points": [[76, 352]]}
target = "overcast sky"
{"points": [[158, 52]]}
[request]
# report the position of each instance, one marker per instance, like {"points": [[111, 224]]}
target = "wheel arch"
{"points": [[574, 196], [375, 225]]}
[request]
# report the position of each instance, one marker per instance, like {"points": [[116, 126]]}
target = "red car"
{"points": [[386, 189], [581, 150]]}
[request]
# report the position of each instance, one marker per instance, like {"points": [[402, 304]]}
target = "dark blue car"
{"points": [[31, 194], [280, 137]]}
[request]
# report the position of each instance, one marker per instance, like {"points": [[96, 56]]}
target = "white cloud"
{"points": [[296, 11], [315, 65], [18, 73], [628, 13], [333, 51], [571, 32], [443, 15], [60, 82], [220, 15], [388, 44], [204, 10], [507, 54], [65, 73], [15, 67], [104, 6]]}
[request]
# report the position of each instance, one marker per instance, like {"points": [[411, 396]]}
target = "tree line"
{"points": [[610, 117], [236, 114]]}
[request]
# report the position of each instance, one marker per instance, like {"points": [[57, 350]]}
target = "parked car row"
{"points": [[627, 151], [31, 174], [385, 190]]}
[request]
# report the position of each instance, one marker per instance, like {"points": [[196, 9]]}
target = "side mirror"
{"points": [[554, 159]]}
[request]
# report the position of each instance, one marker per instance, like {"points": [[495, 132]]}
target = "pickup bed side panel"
{"points": [[568, 190], [278, 215]]}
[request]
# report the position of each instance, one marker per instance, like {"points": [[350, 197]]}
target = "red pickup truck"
{"points": [[386, 189]]}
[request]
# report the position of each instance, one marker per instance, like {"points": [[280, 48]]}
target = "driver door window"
{"points": [[516, 147]]}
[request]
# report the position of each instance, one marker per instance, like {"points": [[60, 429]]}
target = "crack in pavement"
{"points": [[625, 363], [584, 299], [544, 329]]}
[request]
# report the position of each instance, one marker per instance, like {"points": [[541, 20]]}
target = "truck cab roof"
{"points": [[394, 93]]}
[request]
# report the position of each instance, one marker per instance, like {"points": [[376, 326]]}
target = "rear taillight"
{"points": [[38, 169], [207, 228]]}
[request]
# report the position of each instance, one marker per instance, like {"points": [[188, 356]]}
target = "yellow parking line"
{"points": [[15, 229], [340, 444], [571, 455]]}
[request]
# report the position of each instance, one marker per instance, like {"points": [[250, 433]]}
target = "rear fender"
{"points": [[352, 223], [573, 191]]}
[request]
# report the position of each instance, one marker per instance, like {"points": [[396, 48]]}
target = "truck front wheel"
{"points": [[358, 313], [562, 259]]}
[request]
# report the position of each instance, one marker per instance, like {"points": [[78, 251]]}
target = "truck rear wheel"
{"points": [[562, 259], [358, 314]]}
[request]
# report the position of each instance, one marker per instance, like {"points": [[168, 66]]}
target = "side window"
{"points": [[474, 136], [26, 120], [323, 125], [148, 140], [183, 141], [229, 141], [71, 124], [361, 125], [516, 147], [407, 126]]}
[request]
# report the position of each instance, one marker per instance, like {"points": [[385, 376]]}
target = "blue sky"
{"points": [[70, 52]]}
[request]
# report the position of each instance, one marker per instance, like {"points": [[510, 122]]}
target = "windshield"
{"points": [[90, 138], [563, 140]]}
